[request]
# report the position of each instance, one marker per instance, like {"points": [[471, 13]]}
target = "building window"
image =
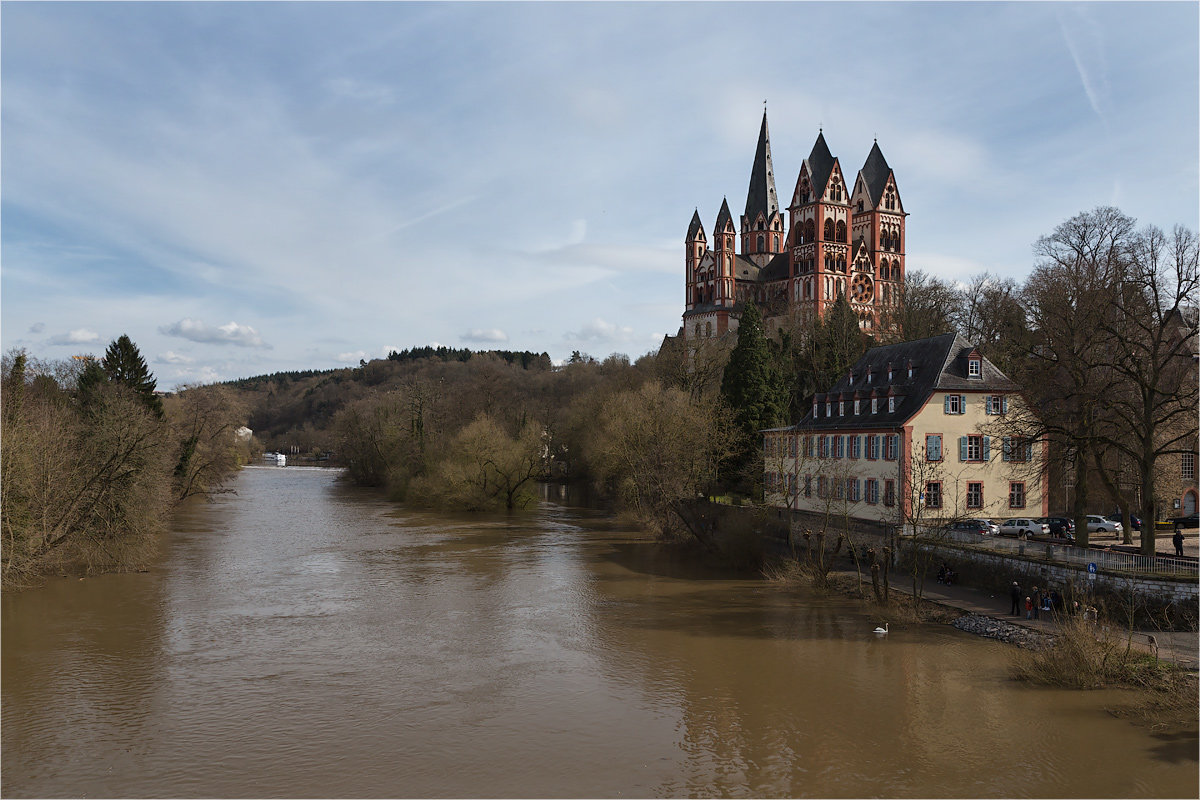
{"points": [[841, 408], [839, 447], [839, 489], [857, 410], [974, 368], [974, 495], [872, 491], [1016, 495], [974, 448], [808, 446], [891, 405], [1016, 450], [933, 494], [791, 483], [822, 447], [996, 404], [956, 404], [821, 488], [856, 446], [874, 405], [816, 410], [855, 489], [891, 444], [808, 485], [828, 408], [872, 446], [933, 447], [889, 493], [1188, 467]]}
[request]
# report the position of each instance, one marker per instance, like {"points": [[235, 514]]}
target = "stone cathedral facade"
{"points": [[839, 238]]}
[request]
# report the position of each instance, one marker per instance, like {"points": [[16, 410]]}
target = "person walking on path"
{"points": [[1014, 594], [1037, 601], [1177, 540], [1028, 608]]}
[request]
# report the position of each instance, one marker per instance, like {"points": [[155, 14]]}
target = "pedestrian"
{"points": [[1177, 540], [1014, 594], [1037, 602], [1028, 607]]}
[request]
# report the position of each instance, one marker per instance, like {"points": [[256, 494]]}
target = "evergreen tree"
{"points": [[123, 364], [753, 384]]}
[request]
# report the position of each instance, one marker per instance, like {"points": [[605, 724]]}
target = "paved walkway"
{"points": [[1181, 647]]}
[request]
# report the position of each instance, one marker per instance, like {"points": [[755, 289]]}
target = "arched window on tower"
{"points": [[841, 231], [810, 231], [829, 230], [761, 242]]}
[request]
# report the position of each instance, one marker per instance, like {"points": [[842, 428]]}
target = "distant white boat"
{"points": [[280, 460]]}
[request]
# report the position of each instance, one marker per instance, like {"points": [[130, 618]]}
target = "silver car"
{"points": [[1022, 528], [1098, 524]]}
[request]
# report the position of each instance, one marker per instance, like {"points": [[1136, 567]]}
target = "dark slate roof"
{"points": [[875, 173], [744, 269], [695, 227], [776, 269], [820, 165], [761, 198], [939, 364], [723, 217]]}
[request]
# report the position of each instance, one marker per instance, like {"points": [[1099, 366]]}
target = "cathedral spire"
{"points": [[761, 198]]}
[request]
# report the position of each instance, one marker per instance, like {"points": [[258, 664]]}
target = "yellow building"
{"points": [[909, 436]]}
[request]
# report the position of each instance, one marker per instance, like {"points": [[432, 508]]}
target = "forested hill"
{"points": [[295, 410]]}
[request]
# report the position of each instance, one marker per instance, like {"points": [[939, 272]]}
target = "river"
{"points": [[305, 639]]}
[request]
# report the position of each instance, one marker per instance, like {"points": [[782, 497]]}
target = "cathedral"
{"points": [[838, 240]]}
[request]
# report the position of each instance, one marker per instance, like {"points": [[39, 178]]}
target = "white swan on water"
{"points": [[882, 631]]}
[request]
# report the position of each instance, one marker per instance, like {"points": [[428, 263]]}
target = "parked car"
{"points": [[1059, 526], [980, 526], [1186, 521], [1098, 524], [993, 527], [1134, 522], [1022, 528]]}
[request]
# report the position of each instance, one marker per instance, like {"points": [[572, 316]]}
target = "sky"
{"points": [[248, 188]]}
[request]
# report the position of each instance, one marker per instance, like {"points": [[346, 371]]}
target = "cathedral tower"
{"points": [[696, 246], [820, 220], [762, 224], [879, 240]]}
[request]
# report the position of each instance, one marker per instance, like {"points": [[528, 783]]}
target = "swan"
{"points": [[882, 631]]}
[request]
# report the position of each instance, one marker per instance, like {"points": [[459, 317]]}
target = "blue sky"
{"points": [[247, 188]]}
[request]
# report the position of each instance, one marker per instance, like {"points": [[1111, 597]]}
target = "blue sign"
{"points": [[1092, 567]]}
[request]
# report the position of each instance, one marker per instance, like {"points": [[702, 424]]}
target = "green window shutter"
{"points": [[987, 404], [1029, 451], [962, 404], [946, 404], [962, 448], [1006, 449], [1004, 404], [987, 448]]}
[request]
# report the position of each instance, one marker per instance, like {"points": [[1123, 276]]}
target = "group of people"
{"points": [[946, 575], [1036, 602]]}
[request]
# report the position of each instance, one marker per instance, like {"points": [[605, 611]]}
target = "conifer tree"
{"points": [[753, 384], [123, 364]]}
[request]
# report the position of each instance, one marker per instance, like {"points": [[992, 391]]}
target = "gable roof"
{"points": [[761, 198], [939, 364]]}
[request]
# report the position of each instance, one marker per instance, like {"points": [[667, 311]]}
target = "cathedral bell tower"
{"points": [[820, 219], [724, 235], [696, 246]]}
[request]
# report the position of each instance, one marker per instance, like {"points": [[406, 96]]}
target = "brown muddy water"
{"points": [[303, 639]]}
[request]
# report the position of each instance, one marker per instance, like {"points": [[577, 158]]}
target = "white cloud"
{"points": [[353, 357], [492, 335], [171, 357], [37, 327], [599, 330], [77, 336], [230, 333]]}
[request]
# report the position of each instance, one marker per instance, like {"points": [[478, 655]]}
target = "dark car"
{"points": [[971, 526], [1059, 526], [1186, 521], [1135, 522]]}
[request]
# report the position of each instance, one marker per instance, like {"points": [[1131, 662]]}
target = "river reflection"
{"points": [[306, 639]]}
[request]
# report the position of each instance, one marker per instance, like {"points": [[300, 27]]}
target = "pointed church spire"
{"points": [[875, 173], [724, 218], [820, 164], [695, 227], [761, 199]]}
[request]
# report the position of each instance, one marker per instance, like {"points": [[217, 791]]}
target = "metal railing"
{"points": [[1106, 560]]}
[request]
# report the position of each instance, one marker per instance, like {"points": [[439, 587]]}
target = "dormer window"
{"points": [[910, 370], [974, 367], [828, 408], [868, 374], [889, 368], [874, 405], [841, 407], [815, 411], [891, 405], [857, 407]]}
